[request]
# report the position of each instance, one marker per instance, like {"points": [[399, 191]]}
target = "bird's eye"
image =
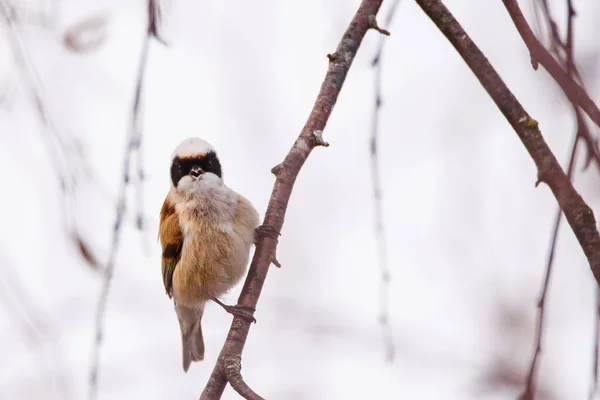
{"points": [[209, 163]]}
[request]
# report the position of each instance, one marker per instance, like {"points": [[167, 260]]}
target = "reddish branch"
{"points": [[563, 52], [530, 385], [539, 54], [560, 49], [286, 173], [577, 212]]}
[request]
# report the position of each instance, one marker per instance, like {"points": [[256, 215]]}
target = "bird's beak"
{"points": [[196, 172]]}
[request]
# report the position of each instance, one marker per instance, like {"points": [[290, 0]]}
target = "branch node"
{"points": [[333, 57], [317, 137], [534, 62], [532, 123], [373, 25], [540, 179], [232, 368], [274, 260], [276, 170]]}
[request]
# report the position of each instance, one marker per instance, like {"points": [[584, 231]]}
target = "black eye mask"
{"points": [[209, 163]]}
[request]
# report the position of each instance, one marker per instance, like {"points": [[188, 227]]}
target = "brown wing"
{"points": [[171, 241]]}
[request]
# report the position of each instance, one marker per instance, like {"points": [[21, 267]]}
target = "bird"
{"points": [[206, 231]]}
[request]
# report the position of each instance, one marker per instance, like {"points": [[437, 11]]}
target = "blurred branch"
{"points": [[62, 152], [22, 12], [384, 290], [286, 173], [86, 35], [556, 44], [35, 330], [530, 386], [133, 146], [509, 340], [578, 213]]}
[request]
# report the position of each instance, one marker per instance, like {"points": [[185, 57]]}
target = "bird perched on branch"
{"points": [[206, 231]]}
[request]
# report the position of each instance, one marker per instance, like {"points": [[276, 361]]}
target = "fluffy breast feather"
{"points": [[215, 251]]}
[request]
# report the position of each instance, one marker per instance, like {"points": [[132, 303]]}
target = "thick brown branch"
{"points": [[286, 173], [577, 212], [574, 92]]}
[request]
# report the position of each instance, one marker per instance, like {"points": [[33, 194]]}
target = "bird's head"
{"points": [[195, 167]]}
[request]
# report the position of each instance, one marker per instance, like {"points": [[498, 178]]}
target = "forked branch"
{"points": [[578, 214], [563, 76], [564, 53], [286, 173]]}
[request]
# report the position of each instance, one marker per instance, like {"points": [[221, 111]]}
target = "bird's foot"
{"points": [[267, 230], [240, 311]]}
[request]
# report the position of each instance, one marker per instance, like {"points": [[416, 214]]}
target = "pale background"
{"points": [[467, 231]]}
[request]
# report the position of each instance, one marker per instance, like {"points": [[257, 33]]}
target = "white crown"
{"points": [[191, 147]]}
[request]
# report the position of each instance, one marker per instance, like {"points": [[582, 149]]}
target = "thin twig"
{"points": [[384, 290], [136, 133], [571, 69], [286, 173], [564, 53], [133, 145], [55, 143], [556, 45], [529, 392]]}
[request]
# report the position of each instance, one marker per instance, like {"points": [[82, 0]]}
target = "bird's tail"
{"points": [[192, 341]]}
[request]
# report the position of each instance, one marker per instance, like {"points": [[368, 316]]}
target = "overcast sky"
{"points": [[467, 232]]}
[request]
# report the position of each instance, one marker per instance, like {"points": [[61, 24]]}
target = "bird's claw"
{"points": [[243, 312], [267, 230]]}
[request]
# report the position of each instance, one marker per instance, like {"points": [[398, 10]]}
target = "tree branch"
{"points": [[582, 132], [286, 173], [530, 385], [578, 214], [574, 92]]}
